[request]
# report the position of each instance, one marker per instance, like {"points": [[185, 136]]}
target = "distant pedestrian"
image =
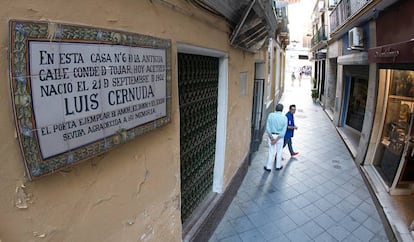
{"points": [[293, 77], [276, 126], [290, 129], [300, 78]]}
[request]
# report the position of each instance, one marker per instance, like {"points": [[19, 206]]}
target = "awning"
{"points": [[253, 21]]}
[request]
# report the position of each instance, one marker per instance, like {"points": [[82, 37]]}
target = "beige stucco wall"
{"points": [[131, 193], [239, 114]]}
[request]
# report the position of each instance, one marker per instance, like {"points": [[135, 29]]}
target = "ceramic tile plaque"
{"points": [[79, 91]]}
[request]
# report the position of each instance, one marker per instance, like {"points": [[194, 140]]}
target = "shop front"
{"points": [[392, 138], [393, 156], [354, 84], [355, 95], [389, 160]]}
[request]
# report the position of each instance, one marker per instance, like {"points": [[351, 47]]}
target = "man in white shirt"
{"points": [[276, 126]]}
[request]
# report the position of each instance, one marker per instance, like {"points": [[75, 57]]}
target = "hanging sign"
{"points": [[80, 91]]}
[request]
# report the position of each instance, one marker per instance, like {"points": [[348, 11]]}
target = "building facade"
{"points": [[319, 40], [389, 155], [162, 178], [369, 68]]}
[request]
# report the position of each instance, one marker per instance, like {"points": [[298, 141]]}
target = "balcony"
{"points": [[282, 30], [350, 13], [321, 35], [282, 19], [344, 10], [332, 4]]}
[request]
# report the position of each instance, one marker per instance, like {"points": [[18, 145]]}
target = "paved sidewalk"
{"points": [[318, 196]]}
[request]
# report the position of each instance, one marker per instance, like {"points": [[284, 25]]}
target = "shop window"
{"points": [[356, 103], [397, 132]]}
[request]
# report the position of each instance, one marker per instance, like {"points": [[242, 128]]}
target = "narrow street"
{"points": [[318, 196]]}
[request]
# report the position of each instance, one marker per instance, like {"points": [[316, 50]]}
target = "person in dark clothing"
{"points": [[290, 129]]}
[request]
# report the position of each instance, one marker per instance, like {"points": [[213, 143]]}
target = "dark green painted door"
{"points": [[198, 86]]}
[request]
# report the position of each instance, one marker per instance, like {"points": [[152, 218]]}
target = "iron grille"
{"points": [[198, 87]]}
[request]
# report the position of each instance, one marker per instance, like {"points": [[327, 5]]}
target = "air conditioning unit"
{"points": [[356, 38]]}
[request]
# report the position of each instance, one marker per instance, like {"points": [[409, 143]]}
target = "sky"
{"points": [[300, 24], [299, 15]]}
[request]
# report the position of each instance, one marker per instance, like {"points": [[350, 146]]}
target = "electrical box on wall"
{"points": [[356, 38]]}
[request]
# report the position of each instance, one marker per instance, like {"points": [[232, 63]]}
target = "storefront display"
{"points": [[395, 153], [389, 160], [357, 102]]}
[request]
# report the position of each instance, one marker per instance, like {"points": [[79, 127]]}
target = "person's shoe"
{"points": [[269, 170], [294, 154], [280, 168]]}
